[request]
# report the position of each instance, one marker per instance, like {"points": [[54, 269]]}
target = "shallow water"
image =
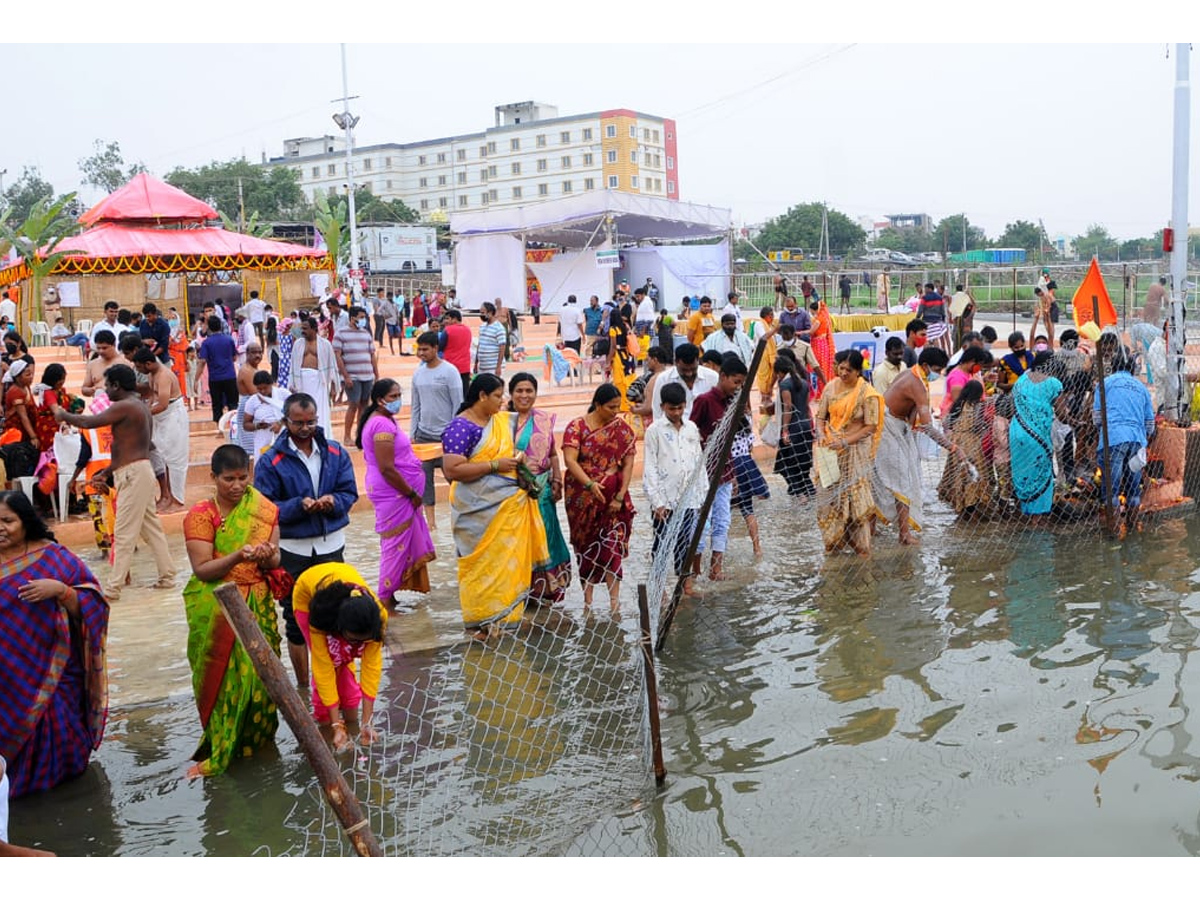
{"points": [[974, 696]]}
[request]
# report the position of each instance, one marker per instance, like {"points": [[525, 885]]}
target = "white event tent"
{"points": [[489, 251]]}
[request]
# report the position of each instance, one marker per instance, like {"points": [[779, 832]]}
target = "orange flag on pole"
{"points": [[1093, 286]]}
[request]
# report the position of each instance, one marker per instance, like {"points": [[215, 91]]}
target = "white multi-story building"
{"points": [[530, 154]]}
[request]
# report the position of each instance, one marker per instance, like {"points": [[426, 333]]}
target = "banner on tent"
{"points": [[608, 259]]}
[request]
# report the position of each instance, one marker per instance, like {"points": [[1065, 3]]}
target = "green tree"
{"points": [[105, 168], [331, 221], [800, 227], [36, 238], [906, 240], [369, 208], [1022, 234], [273, 193], [948, 235], [1142, 248], [23, 194], [1096, 241]]}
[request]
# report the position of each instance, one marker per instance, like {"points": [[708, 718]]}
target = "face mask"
{"points": [[934, 376], [394, 406], [920, 340], [361, 323]]}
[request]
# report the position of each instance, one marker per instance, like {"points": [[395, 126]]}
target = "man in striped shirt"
{"points": [[489, 351], [354, 349]]}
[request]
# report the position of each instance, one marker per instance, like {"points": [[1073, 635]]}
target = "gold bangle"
{"points": [[341, 725], [495, 464]]}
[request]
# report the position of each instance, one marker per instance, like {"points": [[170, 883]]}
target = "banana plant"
{"points": [[330, 221], [47, 224], [251, 228]]}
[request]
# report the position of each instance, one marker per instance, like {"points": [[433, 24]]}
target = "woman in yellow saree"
{"points": [[850, 423], [498, 531]]}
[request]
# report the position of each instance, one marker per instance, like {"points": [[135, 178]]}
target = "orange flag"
{"points": [[1093, 286]]}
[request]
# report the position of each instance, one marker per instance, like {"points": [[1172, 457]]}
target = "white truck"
{"points": [[391, 249]]}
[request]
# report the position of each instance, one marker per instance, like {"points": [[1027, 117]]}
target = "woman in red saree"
{"points": [[53, 629], [822, 341], [599, 450], [234, 539]]}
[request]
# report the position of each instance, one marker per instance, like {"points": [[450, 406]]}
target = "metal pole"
{"points": [[1176, 334], [1014, 307], [714, 473], [343, 800], [660, 769], [1105, 471], [353, 219]]}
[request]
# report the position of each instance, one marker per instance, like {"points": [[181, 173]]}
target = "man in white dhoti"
{"points": [[171, 433], [314, 371], [896, 482]]}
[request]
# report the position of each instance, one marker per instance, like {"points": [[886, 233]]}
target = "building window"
{"points": [[633, 181], [541, 140], [316, 172], [612, 181], [492, 195], [516, 168], [589, 184], [462, 200], [423, 182], [491, 146], [564, 137], [543, 190], [443, 202], [566, 162], [516, 193], [483, 199], [389, 184], [645, 134], [483, 151], [331, 169], [610, 131], [514, 144], [462, 177], [541, 165], [566, 187], [491, 171], [461, 155], [670, 163], [424, 204], [387, 162], [483, 174], [587, 134], [658, 184], [332, 191], [441, 158], [670, 187], [633, 157], [587, 159], [633, 132], [420, 160], [441, 181], [654, 135], [367, 164], [612, 156]]}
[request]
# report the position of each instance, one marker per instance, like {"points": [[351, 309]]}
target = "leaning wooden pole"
{"points": [[660, 769], [1105, 470], [343, 801], [714, 474]]}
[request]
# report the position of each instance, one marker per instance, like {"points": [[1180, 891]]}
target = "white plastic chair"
{"points": [[27, 485], [66, 453], [84, 326], [39, 334]]}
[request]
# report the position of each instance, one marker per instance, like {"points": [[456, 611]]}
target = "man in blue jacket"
{"points": [[311, 480]]}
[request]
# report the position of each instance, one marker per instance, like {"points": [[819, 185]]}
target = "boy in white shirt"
{"points": [[673, 455], [263, 414]]}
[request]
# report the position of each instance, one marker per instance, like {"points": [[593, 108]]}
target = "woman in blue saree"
{"points": [[1037, 396]]}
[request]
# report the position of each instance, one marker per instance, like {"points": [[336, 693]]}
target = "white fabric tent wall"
{"points": [[678, 270], [571, 273], [489, 266]]}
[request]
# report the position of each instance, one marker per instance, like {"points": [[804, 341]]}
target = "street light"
{"points": [[346, 122]]}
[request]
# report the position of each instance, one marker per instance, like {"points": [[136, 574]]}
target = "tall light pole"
{"points": [[1176, 334], [346, 122]]}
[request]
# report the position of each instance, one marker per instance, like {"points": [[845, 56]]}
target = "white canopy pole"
{"points": [[1177, 407]]}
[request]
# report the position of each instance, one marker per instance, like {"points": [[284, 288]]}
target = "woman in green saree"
{"points": [[232, 538], [534, 436]]}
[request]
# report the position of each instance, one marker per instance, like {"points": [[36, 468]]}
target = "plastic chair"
{"points": [[39, 334], [27, 484], [66, 452], [84, 326]]}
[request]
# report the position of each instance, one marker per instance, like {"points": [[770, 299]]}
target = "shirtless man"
{"points": [[171, 428], [106, 348], [132, 478], [897, 476], [245, 387], [314, 371]]}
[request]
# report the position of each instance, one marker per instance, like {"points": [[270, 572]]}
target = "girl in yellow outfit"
{"points": [[342, 620]]}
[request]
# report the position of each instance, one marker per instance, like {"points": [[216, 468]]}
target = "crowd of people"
{"points": [[1020, 431]]}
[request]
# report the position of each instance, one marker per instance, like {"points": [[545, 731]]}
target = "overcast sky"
{"points": [[1071, 134]]}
